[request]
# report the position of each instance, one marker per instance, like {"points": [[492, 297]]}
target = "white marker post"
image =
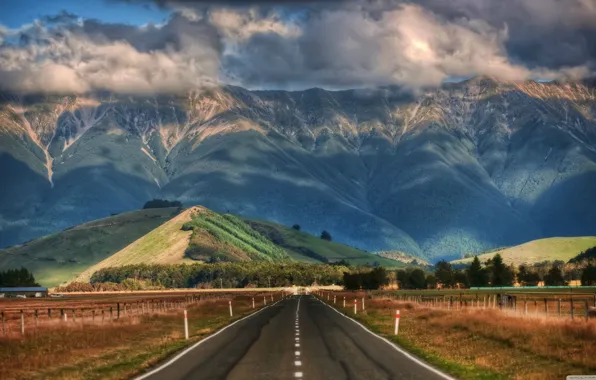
{"points": [[362, 303], [230, 302], [344, 302], [396, 322], [272, 298], [334, 300], [185, 324], [253, 302], [264, 300], [355, 306], [327, 296]]}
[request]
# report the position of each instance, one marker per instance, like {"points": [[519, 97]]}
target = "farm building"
{"points": [[25, 291]]}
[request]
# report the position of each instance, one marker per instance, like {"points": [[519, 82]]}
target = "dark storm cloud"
{"points": [[542, 33], [173, 34]]}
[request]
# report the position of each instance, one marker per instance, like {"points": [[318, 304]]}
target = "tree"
{"points": [[17, 277], [378, 278], [477, 276], [417, 279], [501, 274], [461, 278], [589, 276], [431, 281], [588, 254], [444, 274], [527, 277], [296, 227], [554, 277], [402, 279], [325, 235]]}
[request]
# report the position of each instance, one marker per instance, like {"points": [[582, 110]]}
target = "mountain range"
{"points": [[465, 167]]}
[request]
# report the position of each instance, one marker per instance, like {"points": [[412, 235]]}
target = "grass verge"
{"points": [[113, 351], [485, 344]]}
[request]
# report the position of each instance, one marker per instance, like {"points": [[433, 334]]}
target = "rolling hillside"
{"points": [[167, 236], [166, 244], [558, 248], [59, 257], [308, 248]]}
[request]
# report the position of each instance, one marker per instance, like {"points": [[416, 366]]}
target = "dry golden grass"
{"points": [[489, 344], [111, 350]]}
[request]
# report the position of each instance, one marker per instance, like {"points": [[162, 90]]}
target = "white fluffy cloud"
{"points": [[276, 47]]}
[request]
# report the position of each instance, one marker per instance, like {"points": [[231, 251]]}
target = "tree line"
{"points": [[221, 274], [16, 278], [496, 273]]}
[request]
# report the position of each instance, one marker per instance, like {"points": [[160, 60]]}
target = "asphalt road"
{"points": [[296, 338]]}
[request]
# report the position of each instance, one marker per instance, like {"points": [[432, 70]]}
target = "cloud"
{"points": [[301, 44], [407, 45], [94, 56]]}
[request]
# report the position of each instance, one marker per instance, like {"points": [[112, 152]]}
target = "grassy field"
{"points": [[484, 344], [166, 244], [551, 249], [60, 257], [308, 248], [120, 349]]}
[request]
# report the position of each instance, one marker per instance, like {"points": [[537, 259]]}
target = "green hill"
{"points": [[308, 248], [61, 256], [166, 236], [550, 249]]}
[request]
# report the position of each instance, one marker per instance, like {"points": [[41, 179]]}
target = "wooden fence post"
{"points": [[22, 323], [111, 314], [74, 315], [49, 314], [559, 306], [3, 324], [586, 309], [93, 316], [572, 311], [118, 310], [546, 307], [36, 321]]}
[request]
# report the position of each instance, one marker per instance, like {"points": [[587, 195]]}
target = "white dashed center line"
{"points": [[297, 363]]}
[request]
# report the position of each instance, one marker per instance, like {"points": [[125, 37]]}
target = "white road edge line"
{"points": [[396, 347], [186, 351]]}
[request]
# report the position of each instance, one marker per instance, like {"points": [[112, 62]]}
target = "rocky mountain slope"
{"points": [[463, 168]]}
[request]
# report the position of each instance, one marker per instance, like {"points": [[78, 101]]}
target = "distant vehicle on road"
{"points": [[56, 295], [21, 296]]}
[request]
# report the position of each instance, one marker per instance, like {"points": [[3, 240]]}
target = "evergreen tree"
{"points": [[501, 274], [477, 276], [17, 277], [325, 235], [296, 227], [444, 274]]}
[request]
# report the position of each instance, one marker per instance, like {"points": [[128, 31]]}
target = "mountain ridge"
{"points": [[462, 168]]}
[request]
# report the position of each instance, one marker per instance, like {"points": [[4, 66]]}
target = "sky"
{"points": [[172, 46]]}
